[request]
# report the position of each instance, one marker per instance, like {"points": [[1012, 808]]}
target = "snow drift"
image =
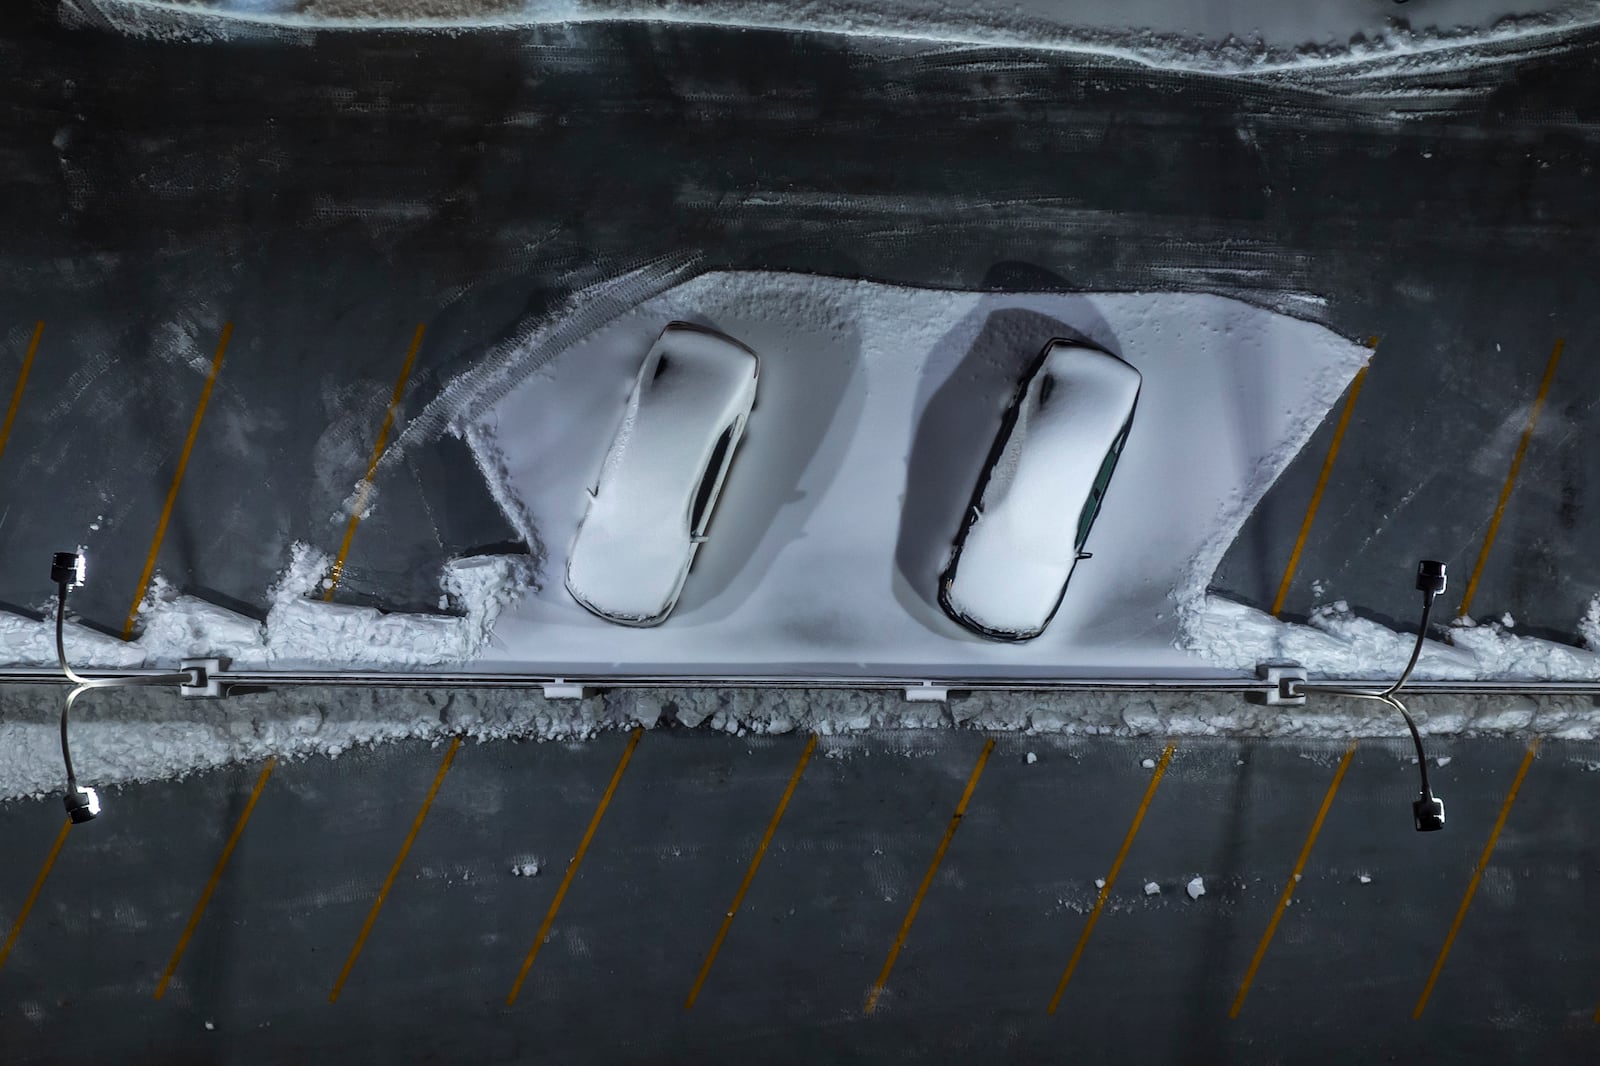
{"points": [[1297, 43]]}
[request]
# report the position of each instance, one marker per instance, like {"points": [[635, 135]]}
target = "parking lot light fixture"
{"points": [[69, 570], [1427, 810]]}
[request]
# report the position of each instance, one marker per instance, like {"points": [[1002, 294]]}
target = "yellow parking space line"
{"points": [[216, 876], [372, 466], [1472, 885], [1111, 878], [22, 380], [1294, 879], [927, 880], [1511, 477], [1322, 482], [750, 874], [394, 871], [33, 894], [177, 481], [572, 867]]}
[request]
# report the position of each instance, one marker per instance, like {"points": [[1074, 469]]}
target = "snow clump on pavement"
{"points": [[300, 629]]}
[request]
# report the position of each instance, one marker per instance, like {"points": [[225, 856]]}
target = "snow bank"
{"points": [[1589, 625], [1500, 653], [300, 630], [1245, 37], [29, 641], [123, 736], [1337, 643]]}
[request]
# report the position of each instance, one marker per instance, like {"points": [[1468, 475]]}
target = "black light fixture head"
{"points": [[69, 569], [1428, 813], [1427, 810], [82, 804], [1430, 577]]}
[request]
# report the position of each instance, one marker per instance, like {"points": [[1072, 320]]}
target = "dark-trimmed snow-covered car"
{"points": [[1040, 492], [650, 508]]}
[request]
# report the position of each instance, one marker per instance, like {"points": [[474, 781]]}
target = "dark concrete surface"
{"points": [[995, 930], [328, 194]]}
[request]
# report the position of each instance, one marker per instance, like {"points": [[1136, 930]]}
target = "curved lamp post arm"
{"points": [[67, 570], [1427, 810]]}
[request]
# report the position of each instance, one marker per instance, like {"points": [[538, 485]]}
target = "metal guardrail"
{"points": [[1241, 685]]}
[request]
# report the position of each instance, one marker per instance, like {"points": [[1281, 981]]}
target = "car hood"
{"points": [[626, 572]]}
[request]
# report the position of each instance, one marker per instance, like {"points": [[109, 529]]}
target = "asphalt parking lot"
{"points": [[986, 909]]}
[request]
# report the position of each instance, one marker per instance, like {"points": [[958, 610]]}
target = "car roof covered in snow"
{"points": [[1019, 549], [634, 544]]}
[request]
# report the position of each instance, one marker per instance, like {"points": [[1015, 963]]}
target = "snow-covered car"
{"points": [[649, 510], [1040, 492]]}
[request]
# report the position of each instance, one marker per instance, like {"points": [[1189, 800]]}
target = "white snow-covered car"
{"points": [[650, 508], [1040, 492]]}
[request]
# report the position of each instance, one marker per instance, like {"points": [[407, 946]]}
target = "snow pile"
{"points": [[1152, 888], [1337, 643], [1196, 888], [32, 642], [1250, 37], [126, 735], [178, 627], [300, 629], [1500, 653], [1589, 625]]}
